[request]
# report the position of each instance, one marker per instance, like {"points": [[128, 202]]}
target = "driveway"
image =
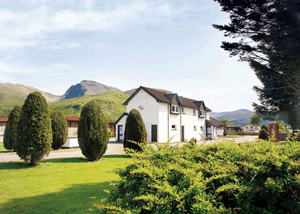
{"points": [[113, 148]]}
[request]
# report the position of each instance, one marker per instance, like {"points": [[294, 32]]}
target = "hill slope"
{"points": [[238, 117], [111, 102], [87, 87]]}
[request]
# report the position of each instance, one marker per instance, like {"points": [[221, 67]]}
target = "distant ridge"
{"points": [[87, 87]]}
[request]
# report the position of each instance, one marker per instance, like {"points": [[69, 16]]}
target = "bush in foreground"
{"points": [[10, 132], [34, 133], [220, 178], [135, 130], [92, 131], [59, 129]]}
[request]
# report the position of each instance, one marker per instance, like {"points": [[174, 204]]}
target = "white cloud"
{"points": [[5, 68], [89, 4]]}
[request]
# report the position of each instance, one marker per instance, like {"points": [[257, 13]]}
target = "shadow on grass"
{"points": [[79, 198], [22, 165]]}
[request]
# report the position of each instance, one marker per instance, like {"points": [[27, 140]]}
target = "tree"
{"points": [[34, 133], [239, 128], [93, 131], [255, 119], [231, 124], [10, 133], [264, 135], [226, 122], [59, 129], [135, 130], [265, 127], [269, 33]]}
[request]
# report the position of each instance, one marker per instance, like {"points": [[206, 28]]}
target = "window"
{"points": [[175, 108], [173, 127], [201, 113], [201, 128], [182, 110], [195, 128], [194, 112]]}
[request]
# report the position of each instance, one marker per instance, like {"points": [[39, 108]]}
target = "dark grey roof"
{"points": [[216, 123], [120, 117]]}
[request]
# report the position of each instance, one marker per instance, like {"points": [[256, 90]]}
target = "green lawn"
{"points": [[233, 136], [69, 185]]}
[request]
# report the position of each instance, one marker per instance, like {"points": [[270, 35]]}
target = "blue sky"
{"points": [[53, 44]]}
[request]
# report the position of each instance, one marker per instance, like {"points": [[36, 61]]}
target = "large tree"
{"points": [[10, 133], [269, 40], [93, 131], [34, 133], [255, 119]]}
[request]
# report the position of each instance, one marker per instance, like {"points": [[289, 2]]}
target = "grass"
{"points": [[68, 185], [234, 136]]}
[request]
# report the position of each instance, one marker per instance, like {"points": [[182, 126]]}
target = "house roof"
{"points": [[121, 117], [250, 125], [71, 118], [110, 121], [231, 126], [215, 122], [164, 97], [3, 119]]}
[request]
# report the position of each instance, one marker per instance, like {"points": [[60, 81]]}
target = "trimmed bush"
{"points": [[59, 129], [34, 132], [264, 134], [10, 132], [221, 178], [225, 132], [265, 127], [135, 130], [92, 131]]}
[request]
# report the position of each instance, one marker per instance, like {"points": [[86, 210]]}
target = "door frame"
{"points": [[153, 125], [119, 126], [182, 133]]}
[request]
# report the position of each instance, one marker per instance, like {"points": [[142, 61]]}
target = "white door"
{"points": [[121, 133]]}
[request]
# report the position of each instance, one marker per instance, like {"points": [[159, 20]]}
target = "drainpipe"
{"points": [[180, 134], [169, 107]]}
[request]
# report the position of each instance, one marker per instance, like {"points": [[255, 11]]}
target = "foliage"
{"points": [[265, 127], [57, 186], [225, 132], [34, 133], [10, 133], [221, 178], [59, 129], [92, 131], [226, 122], [269, 41], [255, 119], [264, 135], [193, 140], [135, 130], [239, 128], [247, 133]]}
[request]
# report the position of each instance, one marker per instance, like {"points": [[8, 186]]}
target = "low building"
{"points": [[231, 129], [251, 128], [3, 122]]}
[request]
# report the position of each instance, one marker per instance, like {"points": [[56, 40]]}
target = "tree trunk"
{"points": [[33, 161]]}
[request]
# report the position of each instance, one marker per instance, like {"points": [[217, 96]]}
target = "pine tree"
{"points": [[34, 133], [59, 129], [135, 130], [10, 133], [93, 131]]}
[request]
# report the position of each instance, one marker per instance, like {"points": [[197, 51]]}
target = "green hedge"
{"points": [[220, 178]]}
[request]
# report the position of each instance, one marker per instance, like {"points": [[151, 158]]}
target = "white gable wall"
{"points": [[149, 113], [174, 134], [121, 122], [163, 123]]}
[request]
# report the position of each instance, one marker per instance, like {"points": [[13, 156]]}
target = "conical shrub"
{"points": [[93, 131], [59, 129], [135, 130], [10, 133], [34, 132], [263, 134]]}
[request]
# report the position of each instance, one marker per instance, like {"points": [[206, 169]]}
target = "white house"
{"points": [[251, 128], [169, 116]]}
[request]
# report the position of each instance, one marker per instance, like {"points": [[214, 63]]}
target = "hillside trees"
{"points": [[10, 133], [255, 119], [269, 35], [34, 133], [135, 130], [59, 129], [93, 131]]}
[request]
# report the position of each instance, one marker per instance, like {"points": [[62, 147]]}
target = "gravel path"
{"points": [[114, 148]]}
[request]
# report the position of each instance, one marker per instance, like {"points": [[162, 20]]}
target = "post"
{"points": [[273, 127]]}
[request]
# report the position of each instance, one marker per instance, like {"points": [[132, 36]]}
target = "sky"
{"points": [[53, 44]]}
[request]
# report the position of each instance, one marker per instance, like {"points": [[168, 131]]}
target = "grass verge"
{"points": [[234, 136], [68, 185]]}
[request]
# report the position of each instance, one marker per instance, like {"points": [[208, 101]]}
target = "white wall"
{"points": [[207, 115], [2, 128], [162, 128], [121, 122], [150, 111], [220, 131]]}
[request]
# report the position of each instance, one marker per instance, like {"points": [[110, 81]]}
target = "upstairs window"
{"points": [[194, 112], [182, 110], [175, 109], [201, 128], [195, 128], [201, 113], [173, 127]]}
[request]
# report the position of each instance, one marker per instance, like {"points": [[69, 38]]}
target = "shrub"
{"points": [[135, 130], [92, 131], [34, 133], [10, 132], [239, 128], [264, 134], [59, 129], [265, 127], [193, 141], [221, 178], [225, 132]]}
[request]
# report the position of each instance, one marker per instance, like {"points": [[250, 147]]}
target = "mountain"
{"points": [[87, 87], [111, 103], [131, 91], [238, 117]]}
